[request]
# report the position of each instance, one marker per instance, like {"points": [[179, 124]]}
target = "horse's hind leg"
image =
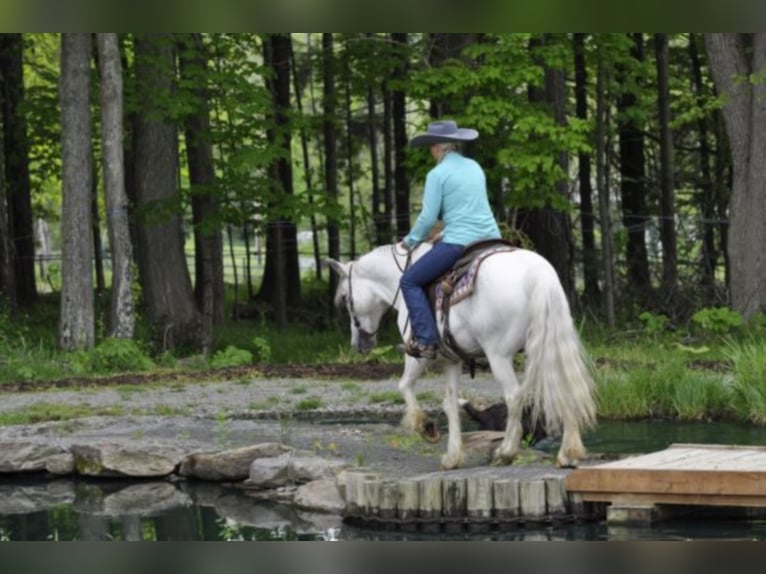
{"points": [[502, 369], [453, 458], [414, 417], [572, 449]]}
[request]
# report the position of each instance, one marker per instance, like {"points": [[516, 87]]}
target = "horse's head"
{"points": [[356, 292]]}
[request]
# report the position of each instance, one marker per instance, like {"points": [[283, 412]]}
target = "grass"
{"points": [[641, 371], [45, 411]]}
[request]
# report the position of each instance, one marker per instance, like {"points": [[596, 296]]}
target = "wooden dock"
{"points": [[682, 474]]}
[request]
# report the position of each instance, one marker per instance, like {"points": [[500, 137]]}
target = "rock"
{"points": [[290, 469], [269, 472], [60, 464], [116, 459], [26, 456], [319, 495], [308, 468], [229, 465]]}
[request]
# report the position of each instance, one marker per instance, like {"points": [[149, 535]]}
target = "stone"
{"points": [[320, 495], [115, 459], [269, 472], [26, 456], [308, 468], [60, 464], [228, 465]]}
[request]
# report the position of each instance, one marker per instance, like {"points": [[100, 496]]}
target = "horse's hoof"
{"points": [[430, 431], [447, 463]]}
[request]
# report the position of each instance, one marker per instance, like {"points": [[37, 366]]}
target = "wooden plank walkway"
{"points": [[688, 474]]}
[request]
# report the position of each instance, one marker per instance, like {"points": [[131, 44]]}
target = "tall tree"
{"points": [[167, 288], [602, 183], [281, 285], [632, 170], [208, 240], [16, 156], [329, 128], [667, 191], [738, 63], [591, 288], [76, 328], [123, 316], [548, 226], [400, 41]]}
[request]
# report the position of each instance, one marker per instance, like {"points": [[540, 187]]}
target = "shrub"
{"points": [[717, 320], [231, 356], [112, 355]]}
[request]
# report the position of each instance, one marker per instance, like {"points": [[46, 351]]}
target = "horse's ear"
{"points": [[340, 268]]}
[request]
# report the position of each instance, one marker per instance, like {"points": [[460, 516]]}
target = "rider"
{"points": [[456, 193]]}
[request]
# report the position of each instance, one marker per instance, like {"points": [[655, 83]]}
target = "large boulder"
{"points": [[228, 465], [119, 460], [26, 456]]}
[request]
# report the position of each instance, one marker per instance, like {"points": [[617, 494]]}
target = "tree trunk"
{"points": [[307, 169], [330, 104], [123, 315], [550, 229], [76, 327], [706, 201], [399, 119], [733, 59], [16, 151], [591, 291], [633, 186], [165, 276], [208, 239], [7, 273], [281, 276], [602, 182], [667, 192]]}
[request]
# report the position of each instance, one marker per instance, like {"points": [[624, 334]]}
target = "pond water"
{"points": [[40, 509]]}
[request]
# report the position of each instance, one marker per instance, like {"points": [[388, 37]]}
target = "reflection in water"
{"points": [[34, 508]]}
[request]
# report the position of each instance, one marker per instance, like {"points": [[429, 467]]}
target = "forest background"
{"points": [[167, 195]]}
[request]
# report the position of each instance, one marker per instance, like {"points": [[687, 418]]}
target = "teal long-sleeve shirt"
{"points": [[455, 192]]}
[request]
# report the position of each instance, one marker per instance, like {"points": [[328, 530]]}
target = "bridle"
{"points": [[350, 300]]}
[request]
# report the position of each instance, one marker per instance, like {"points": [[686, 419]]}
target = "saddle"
{"points": [[458, 284]]}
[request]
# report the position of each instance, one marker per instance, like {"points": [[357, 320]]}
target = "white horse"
{"points": [[518, 304]]}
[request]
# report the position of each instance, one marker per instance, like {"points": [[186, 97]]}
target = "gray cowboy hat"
{"points": [[442, 132]]}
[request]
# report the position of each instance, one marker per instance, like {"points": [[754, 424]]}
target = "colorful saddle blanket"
{"points": [[459, 283]]}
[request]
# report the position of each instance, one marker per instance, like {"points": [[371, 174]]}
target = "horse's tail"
{"points": [[558, 379]]}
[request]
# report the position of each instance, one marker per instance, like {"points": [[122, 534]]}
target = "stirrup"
{"points": [[419, 350]]}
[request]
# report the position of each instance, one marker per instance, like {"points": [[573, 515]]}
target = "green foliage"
{"points": [[717, 320], [309, 404], [231, 356], [748, 359], [654, 323], [111, 355], [261, 349]]}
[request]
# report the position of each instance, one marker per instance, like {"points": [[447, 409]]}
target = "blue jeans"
{"points": [[414, 282]]}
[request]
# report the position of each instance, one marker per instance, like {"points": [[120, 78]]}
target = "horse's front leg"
{"points": [[453, 458], [414, 417]]}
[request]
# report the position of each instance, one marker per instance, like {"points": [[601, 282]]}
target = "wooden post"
{"points": [[430, 490], [506, 497], [532, 497], [389, 494], [355, 499], [371, 496], [408, 499], [478, 502], [555, 496], [454, 502]]}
